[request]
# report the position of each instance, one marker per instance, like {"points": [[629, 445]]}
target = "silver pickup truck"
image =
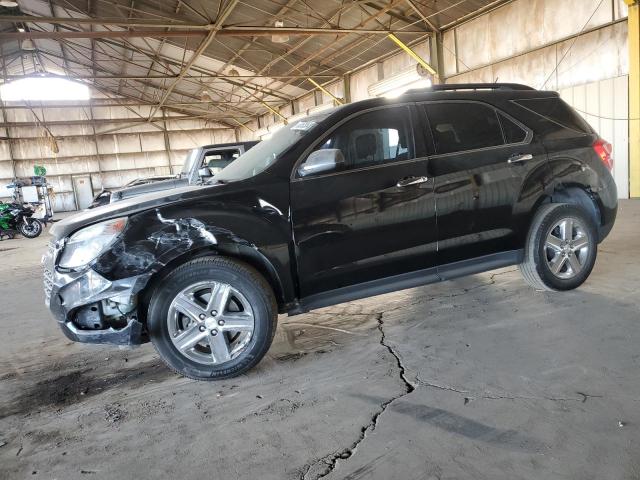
{"points": [[200, 164]]}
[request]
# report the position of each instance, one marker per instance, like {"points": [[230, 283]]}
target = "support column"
{"points": [[436, 51], [5, 119], [634, 98], [9, 143], [95, 142], [346, 84], [167, 142]]}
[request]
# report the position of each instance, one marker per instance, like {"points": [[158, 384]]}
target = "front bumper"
{"points": [[69, 293]]}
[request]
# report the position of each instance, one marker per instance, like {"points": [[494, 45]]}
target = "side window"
{"points": [[457, 127], [373, 138], [513, 133], [557, 111], [218, 159]]}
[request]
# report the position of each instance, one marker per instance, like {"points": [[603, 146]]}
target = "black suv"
{"points": [[371, 197]]}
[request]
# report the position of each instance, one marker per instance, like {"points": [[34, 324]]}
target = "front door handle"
{"points": [[408, 181], [519, 157]]}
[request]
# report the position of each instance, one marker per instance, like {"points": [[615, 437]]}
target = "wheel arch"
{"points": [[573, 194], [579, 195], [242, 253]]}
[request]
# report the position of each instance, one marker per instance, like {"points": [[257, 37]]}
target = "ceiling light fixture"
{"points": [[414, 76], [27, 45], [280, 37]]}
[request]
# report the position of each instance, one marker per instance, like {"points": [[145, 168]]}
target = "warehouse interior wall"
{"points": [[92, 140], [578, 47]]}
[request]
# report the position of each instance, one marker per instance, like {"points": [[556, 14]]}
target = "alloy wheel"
{"points": [[567, 248], [210, 322]]}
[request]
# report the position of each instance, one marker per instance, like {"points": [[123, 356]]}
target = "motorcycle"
{"points": [[17, 218]]}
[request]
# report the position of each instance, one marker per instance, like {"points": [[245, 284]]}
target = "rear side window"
{"points": [[513, 133], [558, 111], [457, 127]]}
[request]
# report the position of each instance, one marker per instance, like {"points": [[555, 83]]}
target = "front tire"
{"points": [[212, 318], [561, 248], [31, 229]]}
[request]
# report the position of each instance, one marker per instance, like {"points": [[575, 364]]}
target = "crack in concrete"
{"points": [[440, 387], [506, 396], [586, 396], [331, 460]]}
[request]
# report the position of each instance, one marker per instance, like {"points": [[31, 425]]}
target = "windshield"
{"points": [[265, 153], [188, 163]]}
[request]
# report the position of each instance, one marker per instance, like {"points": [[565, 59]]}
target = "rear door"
{"points": [[375, 217], [482, 160]]}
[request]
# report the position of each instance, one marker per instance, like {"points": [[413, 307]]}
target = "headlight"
{"points": [[86, 244]]}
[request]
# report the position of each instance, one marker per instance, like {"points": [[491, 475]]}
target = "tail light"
{"points": [[604, 149]]}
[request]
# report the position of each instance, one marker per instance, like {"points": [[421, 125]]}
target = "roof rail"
{"points": [[479, 86]]}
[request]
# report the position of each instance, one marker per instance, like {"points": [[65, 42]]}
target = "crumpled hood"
{"points": [[128, 207]]}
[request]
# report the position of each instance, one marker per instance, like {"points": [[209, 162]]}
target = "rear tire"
{"points": [[212, 318], [561, 248]]}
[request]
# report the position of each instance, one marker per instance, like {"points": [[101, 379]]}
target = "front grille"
{"points": [[48, 284], [48, 272]]}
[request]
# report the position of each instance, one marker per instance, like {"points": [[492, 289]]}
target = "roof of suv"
{"points": [[477, 91], [462, 91]]}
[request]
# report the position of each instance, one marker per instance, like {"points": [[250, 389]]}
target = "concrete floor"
{"points": [[480, 378]]}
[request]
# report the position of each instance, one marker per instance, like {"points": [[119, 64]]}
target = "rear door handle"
{"points": [[519, 157], [408, 181]]}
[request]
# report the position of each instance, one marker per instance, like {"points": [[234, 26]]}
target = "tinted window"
{"points": [[374, 138], [556, 110], [457, 127], [513, 133], [220, 158]]}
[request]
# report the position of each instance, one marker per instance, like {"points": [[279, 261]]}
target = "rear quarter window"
{"points": [[557, 111], [513, 133]]}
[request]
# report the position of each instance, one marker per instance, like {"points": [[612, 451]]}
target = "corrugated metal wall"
{"points": [[111, 159], [605, 105]]}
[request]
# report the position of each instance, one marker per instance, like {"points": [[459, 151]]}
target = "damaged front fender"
{"points": [[156, 238]]}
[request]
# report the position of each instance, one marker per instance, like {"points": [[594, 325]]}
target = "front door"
{"points": [[371, 217], [482, 158]]}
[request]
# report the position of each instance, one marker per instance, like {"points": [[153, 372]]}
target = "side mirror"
{"points": [[322, 161], [205, 172]]}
